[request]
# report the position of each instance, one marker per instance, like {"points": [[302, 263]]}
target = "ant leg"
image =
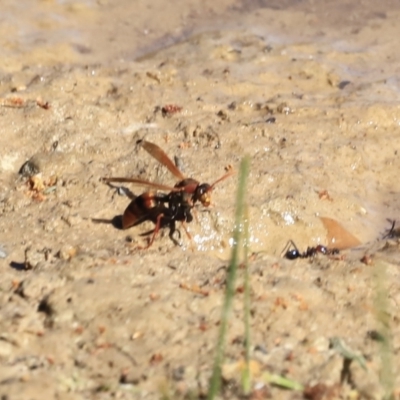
{"points": [[286, 248], [310, 252]]}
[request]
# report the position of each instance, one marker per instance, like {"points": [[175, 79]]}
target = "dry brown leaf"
{"points": [[13, 102], [321, 391], [338, 237], [156, 358], [36, 183], [324, 195], [236, 368], [194, 288]]}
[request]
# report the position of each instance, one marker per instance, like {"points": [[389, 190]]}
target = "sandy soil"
{"points": [[309, 91]]}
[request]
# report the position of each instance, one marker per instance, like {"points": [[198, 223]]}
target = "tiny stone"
{"points": [[3, 253], [341, 85], [29, 168], [283, 108], [178, 374], [33, 258], [122, 191], [261, 348], [130, 378], [129, 239], [67, 252]]}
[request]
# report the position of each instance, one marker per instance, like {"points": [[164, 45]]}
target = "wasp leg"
{"points": [[172, 230], [188, 235], [155, 231]]}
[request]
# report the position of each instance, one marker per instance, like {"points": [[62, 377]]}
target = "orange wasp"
{"points": [[165, 208]]}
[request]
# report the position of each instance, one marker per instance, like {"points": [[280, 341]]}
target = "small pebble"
{"points": [[122, 191], [261, 348], [341, 85], [29, 168], [178, 374], [3, 253], [67, 252], [283, 108], [33, 258]]}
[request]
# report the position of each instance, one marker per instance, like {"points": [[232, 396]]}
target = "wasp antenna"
{"points": [[227, 175]]}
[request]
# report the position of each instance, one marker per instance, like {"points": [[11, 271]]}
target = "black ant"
{"points": [[292, 252]]}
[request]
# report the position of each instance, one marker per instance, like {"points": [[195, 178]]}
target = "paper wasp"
{"points": [[165, 209]]}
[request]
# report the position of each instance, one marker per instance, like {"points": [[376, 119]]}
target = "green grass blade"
{"points": [[246, 376], [215, 381], [281, 381], [383, 318], [346, 352]]}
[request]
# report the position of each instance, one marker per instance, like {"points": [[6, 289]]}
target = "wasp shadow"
{"points": [[18, 266], [116, 222]]}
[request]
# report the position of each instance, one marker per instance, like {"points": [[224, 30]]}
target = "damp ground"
{"points": [[310, 93]]}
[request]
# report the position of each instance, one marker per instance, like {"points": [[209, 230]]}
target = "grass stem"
{"points": [[246, 377], [215, 381]]}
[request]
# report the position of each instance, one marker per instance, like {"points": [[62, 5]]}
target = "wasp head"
{"points": [[203, 194]]}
